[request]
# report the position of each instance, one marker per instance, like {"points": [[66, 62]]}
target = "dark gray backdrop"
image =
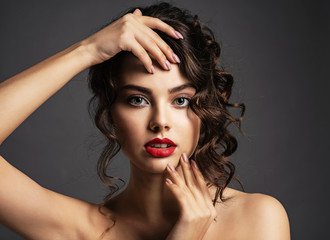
{"points": [[277, 52]]}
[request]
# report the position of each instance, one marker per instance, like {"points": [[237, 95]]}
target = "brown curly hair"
{"points": [[199, 54]]}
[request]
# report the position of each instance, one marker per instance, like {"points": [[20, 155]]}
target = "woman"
{"points": [[161, 100]]}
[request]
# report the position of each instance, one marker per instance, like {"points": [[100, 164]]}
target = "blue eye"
{"points": [[137, 101], [182, 101]]}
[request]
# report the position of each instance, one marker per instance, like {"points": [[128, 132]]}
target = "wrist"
{"points": [[89, 52]]}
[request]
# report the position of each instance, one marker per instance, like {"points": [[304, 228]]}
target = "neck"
{"points": [[148, 198]]}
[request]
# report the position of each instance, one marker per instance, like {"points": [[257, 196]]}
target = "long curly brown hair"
{"points": [[199, 53]]}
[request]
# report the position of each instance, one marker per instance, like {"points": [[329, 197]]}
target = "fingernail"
{"points": [[170, 166], [179, 35], [184, 157], [176, 58], [194, 164], [169, 67], [168, 181], [152, 69]]}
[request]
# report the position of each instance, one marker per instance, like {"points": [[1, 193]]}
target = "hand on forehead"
{"points": [[132, 63]]}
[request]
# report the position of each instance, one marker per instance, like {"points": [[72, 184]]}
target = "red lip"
{"points": [[160, 152], [158, 140]]}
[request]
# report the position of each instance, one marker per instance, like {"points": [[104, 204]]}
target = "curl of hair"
{"points": [[199, 53]]}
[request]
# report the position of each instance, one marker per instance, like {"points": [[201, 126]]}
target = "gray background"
{"points": [[277, 52]]}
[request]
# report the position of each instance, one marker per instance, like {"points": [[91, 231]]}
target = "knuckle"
{"points": [[126, 26], [175, 174], [155, 35], [124, 35], [158, 21], [200, 176], [189, 184], [168, 48], [186, 189], [149, 42], [161, 57], [144, 56], [127, 17], [205, 214], [189, 218], [181, 195], [148, 60], [212, 214]]}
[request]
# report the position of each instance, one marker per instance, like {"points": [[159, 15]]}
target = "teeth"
{"points": [[160, 145]]}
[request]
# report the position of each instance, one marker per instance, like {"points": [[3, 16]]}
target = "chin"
{"points": [[156, 165]]}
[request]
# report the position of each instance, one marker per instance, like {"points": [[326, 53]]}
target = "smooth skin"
{"points": [[44, 214], [157, 106]]}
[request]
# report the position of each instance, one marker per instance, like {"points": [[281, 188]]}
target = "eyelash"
{"points": [[131, 98]]}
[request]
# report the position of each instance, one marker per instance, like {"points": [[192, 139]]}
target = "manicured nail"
{"points": [[194, 164], [176, 58], [168, 181], [152, 69], [169, 67], [179, 35], [170, 166], [184, 157]]}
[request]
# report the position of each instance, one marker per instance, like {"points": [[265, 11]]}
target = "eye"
{"points": [[182, 101], [137, 101]]}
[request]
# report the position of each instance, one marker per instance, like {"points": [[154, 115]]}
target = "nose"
{"points": [[160, 119]]}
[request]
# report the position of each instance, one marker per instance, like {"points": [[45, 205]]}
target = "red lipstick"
{"points": [[160, 147]]}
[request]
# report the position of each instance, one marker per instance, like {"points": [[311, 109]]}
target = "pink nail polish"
{"points": [[168, 181], [184, 157], [179, 35], [170, 166], [152, 69], [169, 67], [194, 164], [176, 58]]}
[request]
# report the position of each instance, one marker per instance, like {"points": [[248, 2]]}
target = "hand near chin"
{"points": [[197, 211]]}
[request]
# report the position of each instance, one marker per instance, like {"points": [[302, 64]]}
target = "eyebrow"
{"points": [[149, 92]]}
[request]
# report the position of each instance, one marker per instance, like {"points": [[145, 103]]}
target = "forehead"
{"points": [[134, 72]]}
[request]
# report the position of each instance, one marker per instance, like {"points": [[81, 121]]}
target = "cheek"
{"points": [[188, 128], [129, 127]]}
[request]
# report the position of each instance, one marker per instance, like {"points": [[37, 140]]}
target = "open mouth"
{"points": [[160, 147]]}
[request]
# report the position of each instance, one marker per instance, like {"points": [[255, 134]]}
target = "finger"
{"points": [[159, 48], [153, 49], [141, 53], [165, 48], [176, 178], [194, 192], [190, 207], [156, 23], [137, 12], [184, 198], [192, 183], [200, 180], [189, 175]]}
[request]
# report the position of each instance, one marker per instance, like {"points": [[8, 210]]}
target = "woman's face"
{"points": [[152, 106]]}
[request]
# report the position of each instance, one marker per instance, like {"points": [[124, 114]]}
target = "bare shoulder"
{"points": [[256, 215], [264, 216]]}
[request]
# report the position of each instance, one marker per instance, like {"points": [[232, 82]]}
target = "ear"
{"points": [[137, 12]]}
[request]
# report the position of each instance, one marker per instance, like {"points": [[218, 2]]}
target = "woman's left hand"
{"points": [[197, 211]]}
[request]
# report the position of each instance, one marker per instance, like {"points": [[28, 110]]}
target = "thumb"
{"points": [[137, 12]]}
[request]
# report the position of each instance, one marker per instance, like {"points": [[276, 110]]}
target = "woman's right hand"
{"points": [[133, 32]]}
